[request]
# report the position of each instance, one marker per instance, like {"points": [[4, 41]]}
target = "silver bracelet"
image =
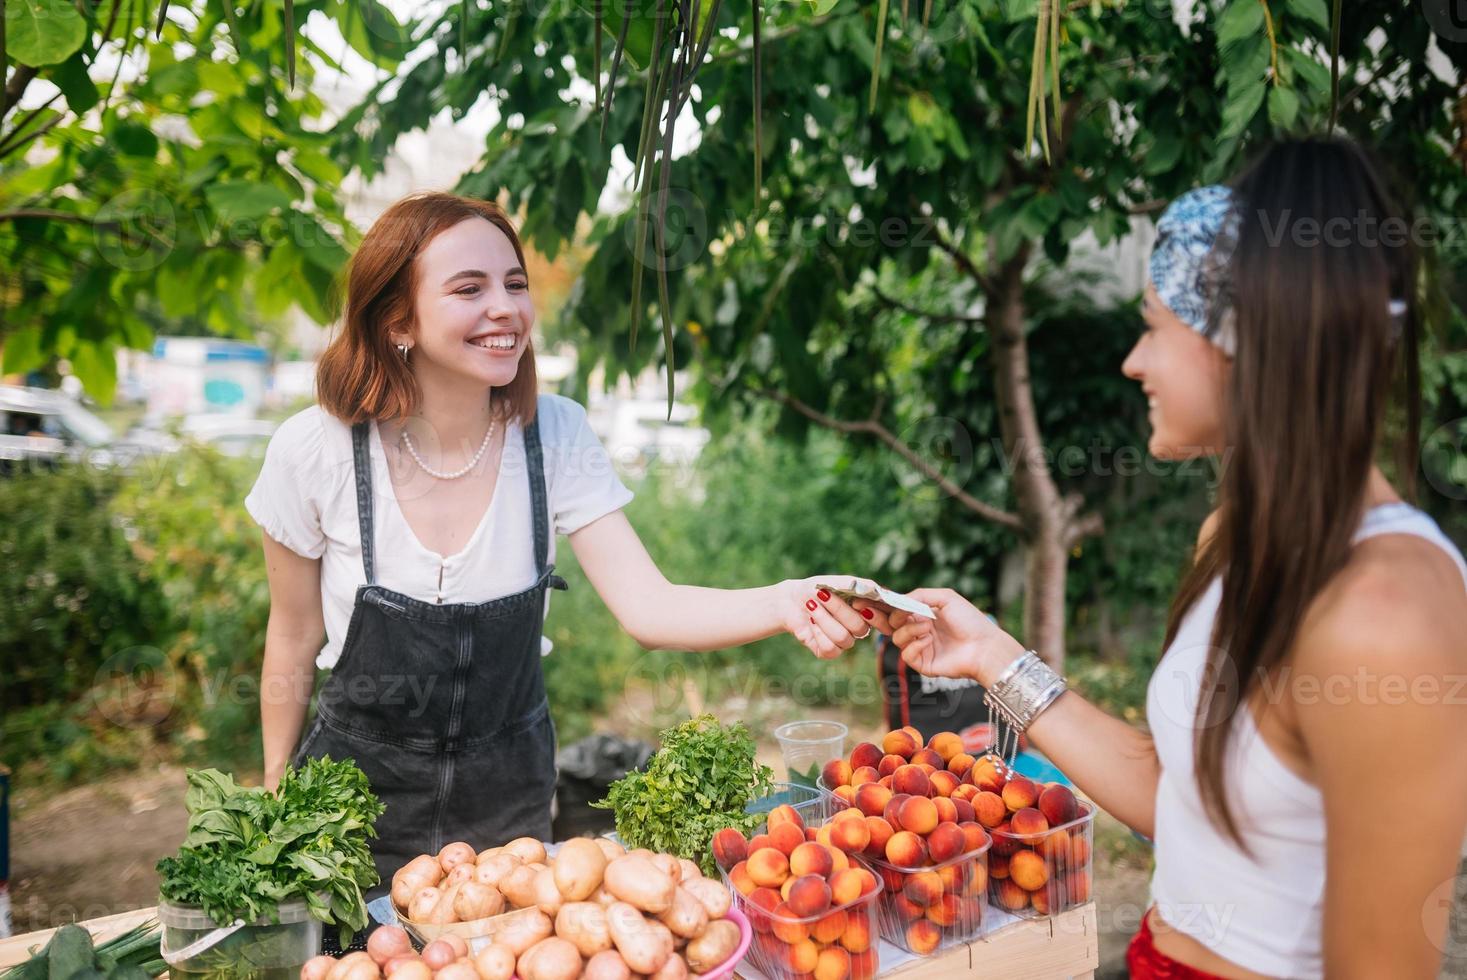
{"points": [[1023, 690]]}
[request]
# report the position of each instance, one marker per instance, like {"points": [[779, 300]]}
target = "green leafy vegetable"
{"points": [[248, 850], [700, 781], [70, 954]]}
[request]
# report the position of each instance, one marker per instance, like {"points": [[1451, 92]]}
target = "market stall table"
{"points": [[1066, 945]]}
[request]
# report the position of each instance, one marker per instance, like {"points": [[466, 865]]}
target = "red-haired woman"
{"points": [[1300, 778], [411, 517]]}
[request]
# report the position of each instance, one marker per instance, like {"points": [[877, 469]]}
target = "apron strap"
{"points": [[362, 463], [539, 504]]}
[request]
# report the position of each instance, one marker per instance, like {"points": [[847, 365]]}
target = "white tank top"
{"points": [[1264, 913]]}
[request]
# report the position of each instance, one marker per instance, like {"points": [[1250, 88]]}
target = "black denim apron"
{"points": [[443, 706]]}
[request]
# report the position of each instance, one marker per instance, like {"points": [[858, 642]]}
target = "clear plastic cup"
{"points": [[808, 745]]}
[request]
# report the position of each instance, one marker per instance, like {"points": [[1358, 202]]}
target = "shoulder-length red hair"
{"points": [[360, 375]]}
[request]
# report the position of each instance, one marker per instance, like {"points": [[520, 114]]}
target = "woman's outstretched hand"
{"points": [[823, 622], [961, 642]]}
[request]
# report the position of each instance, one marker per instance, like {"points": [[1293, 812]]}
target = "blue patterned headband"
{"points": [[1191, 264]]}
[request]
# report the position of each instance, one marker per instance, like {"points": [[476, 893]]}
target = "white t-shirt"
{"points": [[305, 498]]}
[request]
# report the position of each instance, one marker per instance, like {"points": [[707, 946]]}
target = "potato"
{"points": [[476, 901], [602, 897], [519, 887], [492, 870], [688, 870], [643, 943], [495, 962], [550, 959], [460, 873], [524, 930], [607, 966], [457, 970], [584, 924], [488, 853], [610, 848], [676, 968], [715, 946], [354, 966], [579, 866], [527, 849], [423, 903], [407, 968], [317, 968], [455, 854], [714, 896], [443, 912], [637, 881], [687, 917], [421, 872], [547, 896], [669, 866]]}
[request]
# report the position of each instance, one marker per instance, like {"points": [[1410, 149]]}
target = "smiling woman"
{"points": [[388, 528]]}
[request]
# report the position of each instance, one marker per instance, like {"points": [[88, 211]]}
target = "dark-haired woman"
{"points": [[1302, 778], [411, 517]]}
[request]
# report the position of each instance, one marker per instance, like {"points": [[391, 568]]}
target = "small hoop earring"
{"points": [[403, 349]]}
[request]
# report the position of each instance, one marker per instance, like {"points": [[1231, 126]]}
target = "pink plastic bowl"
{"points": [[746, 936]]}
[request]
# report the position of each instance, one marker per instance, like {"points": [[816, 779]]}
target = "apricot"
{"points": [[729, 848], [945, 910], [864, 775], [912, 781], [985, 776], [784, 926], [905, 908], [1028, 870], [977, 878], [851, 836], [762, 902], [741, 879], [845, 886], [947, 810], [964, 810], [948, 745], [864, 965], [834, 964], [810, 833], [923, 887], [868, 881], [865, 754], [989, 809], [905, 849], [1020, 792], [759, 841], [768, 867], [927, 768], [927, 757], [890, 764], [850, 812], [810, 859], [959, 764], [809, 895], [1055, 845], [892, 806], [1010, 896], [786, 837], [1027, 821], [782, 815], [998, 866], [954, 876], [1079, 850], [872, 799], [803, 955], [974, 836], [830, 927], [945, 842], [1003, 841], [923, 937], [846, 794], [857, 937], [1041, 901], [880, 832], [838, 859], [965, 792], [891, 878], [919, 815], [916, 735], [1079, 882], [784, 889], [900, 742], [885, 783], [1058, 805], [837, 772]]}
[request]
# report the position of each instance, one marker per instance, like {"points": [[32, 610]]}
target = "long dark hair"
{"points": [[1317, 353]]}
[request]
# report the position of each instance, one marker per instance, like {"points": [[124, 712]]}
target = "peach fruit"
{"points": [[830, 928], [945, 842], [959, 764], [905, 849], [923, 887], [857, 937], [947, 810], [729, 848], [974, 836], [900, 742], [768, 867], [810, 859], [864, 775], [923, 937], [880, 832], [834, 964], [786, 930], [919, 815], [889, 764], [872, 799], [1020, 792], [912, 781], [1011, 896], [809, 895], [945, 910], [1028, 821], [1028, 870], [946, 744], [741, 879], [837, 772], [865, 754], [851, 836], [1058, 805]]}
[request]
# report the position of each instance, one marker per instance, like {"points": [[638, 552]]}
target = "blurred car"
{"points": [[44, 428]]}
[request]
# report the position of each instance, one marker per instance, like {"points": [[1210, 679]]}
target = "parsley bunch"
{"points": [[248, 850], [700, 781]]}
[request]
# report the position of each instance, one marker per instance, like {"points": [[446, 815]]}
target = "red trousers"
{"points": [[1145, 962]]}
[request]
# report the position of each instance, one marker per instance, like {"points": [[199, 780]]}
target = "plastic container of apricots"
{"points": [[927, 907], [1038, 869]]}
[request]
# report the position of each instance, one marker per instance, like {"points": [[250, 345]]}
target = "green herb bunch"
{"points": [[131, 956], [248, 850], [700, 781]]}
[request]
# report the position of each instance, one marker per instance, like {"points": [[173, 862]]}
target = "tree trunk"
{"points": [[1045, 515]]}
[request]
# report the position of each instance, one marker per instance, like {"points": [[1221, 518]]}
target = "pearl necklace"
{"points": [[436, 474]]}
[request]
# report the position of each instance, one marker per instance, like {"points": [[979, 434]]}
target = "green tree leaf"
{"points": [[43, 32], [1313, 11], [1241, 19], [245, 199], [71, 77], [1283, 107]]}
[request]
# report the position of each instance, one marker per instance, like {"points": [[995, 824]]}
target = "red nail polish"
{"points": [[867, 614], [823, 596], [810, 605]]}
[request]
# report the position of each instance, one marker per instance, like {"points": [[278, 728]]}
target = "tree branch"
{"points": [[1147, 207], [15, 87], [963, 262], [897, 304], [872, 427]]}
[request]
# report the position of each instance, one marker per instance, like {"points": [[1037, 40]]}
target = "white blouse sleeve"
{"points": [[583, 485], [283, 500]]}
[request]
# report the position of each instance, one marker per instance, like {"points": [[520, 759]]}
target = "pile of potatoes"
{"points": [[594, 911]]}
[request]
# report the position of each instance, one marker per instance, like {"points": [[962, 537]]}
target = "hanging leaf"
{"points": [[1283, 107], [43, 32], [289, 29], [1241, 19], [1313, 11], [244, 199], [72, 79]]}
